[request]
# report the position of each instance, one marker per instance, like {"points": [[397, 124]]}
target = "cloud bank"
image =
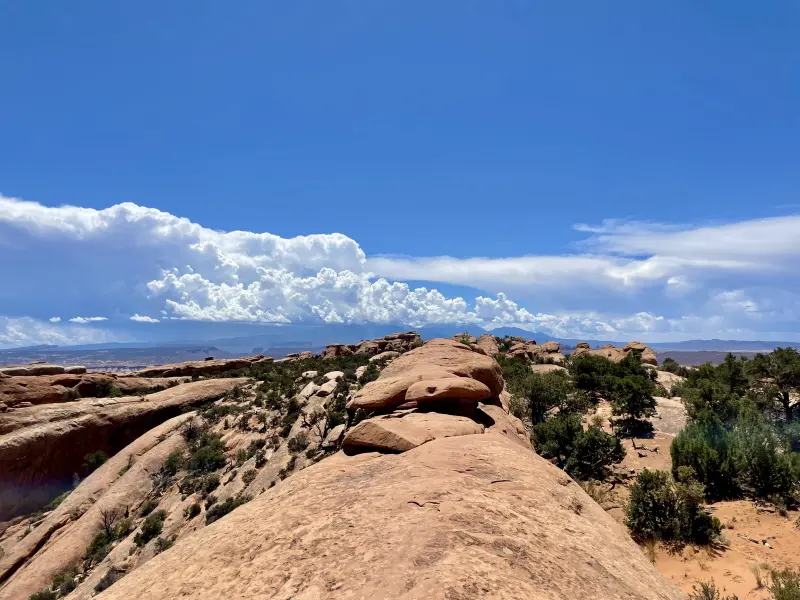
{"points": [[626, 279]]}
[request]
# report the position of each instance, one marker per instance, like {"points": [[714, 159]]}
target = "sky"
{"points": [[625, 170]]}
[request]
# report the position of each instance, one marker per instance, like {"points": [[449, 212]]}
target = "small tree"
{"points": [[633, 400], [779, 372]]}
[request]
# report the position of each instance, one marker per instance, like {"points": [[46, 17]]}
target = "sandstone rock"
{"points": [[400, 434], [326, 389], [335, 350], [34, 369], [488, 343], [65, 533], [462, 389], [334, 435], [334, 375], [468, 517], [368, 347], [551, 347], [450, 356], [200, 367], [42, 446], [542, 369], [648, 356], [499, 421], [395, 346], [309, 374], [406, 336], [75, 370], [360, 371], [308, 391], [465, 337], [387, 393], [388, 355]]}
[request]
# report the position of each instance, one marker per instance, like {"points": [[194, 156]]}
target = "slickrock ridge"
{"points": [[46, 389], [202, 367], [475, 516], [42, 446], [616, 354], [42, 369]]}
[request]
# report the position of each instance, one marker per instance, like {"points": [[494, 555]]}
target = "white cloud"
{"points": [[628, 279], [144, 319], [25, 331], [55, 319]]}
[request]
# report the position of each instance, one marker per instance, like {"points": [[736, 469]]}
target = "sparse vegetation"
{"points": [[220, 510], [707, 590], [93, 461], [661, 508], [151, 527]]}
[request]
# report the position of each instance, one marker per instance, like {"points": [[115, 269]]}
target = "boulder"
{"points": [[460, 389], [387, 393], [335, 350], [309, 374], [450, 356], [34, 369], [497, 420], [551, 347], [465, 338], [488, 343], [468, 517], [648, 356], [402, 433], [542, 369], [334, 375], [388, 355], [42, 446]]}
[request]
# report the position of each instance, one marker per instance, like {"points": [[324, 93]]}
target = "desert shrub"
{"points": [[241, 457], [249, 476], [93, 461], [589, 373], [371, 373], [152, 526], [43, 595], [174, 462], [707, 590], [261, 458], [207, 455], [148, 506], [661, 509], [192, 510], [632, 399], [583, 454], [110, 578], [209, 483], [670, 365], [98, 548], [64, 580], [162, 544], [220, 510], [298, 443], [785, 585]]}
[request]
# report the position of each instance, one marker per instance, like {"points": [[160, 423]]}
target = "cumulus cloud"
{"points": [[144, 319], [84, 320], [55, 319], [624, 279]]}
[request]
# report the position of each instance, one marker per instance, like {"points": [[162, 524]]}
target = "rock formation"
{"points": [[437, 494], [394, 342], [615, 354], [42, 369], [488, 343], [203, 368], [42, 446], [475, 516], [25, 390], [537, 353]]}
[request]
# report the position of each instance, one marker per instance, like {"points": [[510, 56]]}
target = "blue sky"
{"points": [[480, 130]]}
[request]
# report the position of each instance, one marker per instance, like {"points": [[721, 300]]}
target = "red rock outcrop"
{"points": [[550, 351], [42, 446], [394, 342], [488, 343], [204, 368], [46, 389], [472, 516], [616, 354]]}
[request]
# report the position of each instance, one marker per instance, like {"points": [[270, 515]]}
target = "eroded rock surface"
{"points": [[42, 446], [202, 367], [474, 516], [616, 354]]}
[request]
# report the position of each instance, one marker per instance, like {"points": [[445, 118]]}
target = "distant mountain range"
{"points": [[281, 340]]}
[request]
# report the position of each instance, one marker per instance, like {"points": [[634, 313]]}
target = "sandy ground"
{"points": [[732, 563]]}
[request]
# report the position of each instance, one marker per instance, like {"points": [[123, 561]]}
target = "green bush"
{"points": [[371, 373], [707, 590], [93, 461], [152, 527], [220, 510], [43, 595], [785, 585], [110, 578], [162, 544], [661, 509], [174, 462], [208, 454], [583, 454]]}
